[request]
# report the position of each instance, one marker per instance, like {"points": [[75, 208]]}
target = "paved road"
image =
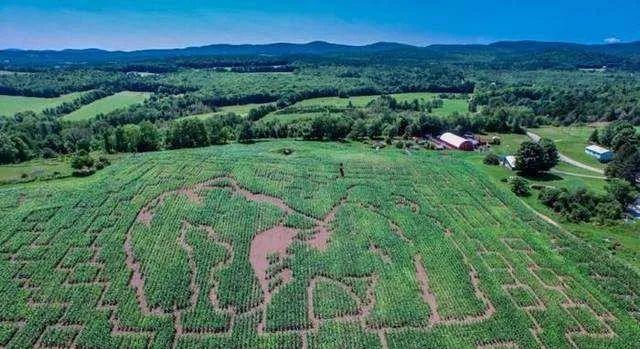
{"points": [[534, 137]]}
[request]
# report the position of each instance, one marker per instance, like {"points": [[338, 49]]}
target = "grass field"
{"points": [[568, 176], [44, 169], [603, 236], [242, 110], [449, 106], [10, 105], [34, 169], [510, 144], [240, 246], [107, 104], [571, 141], [286, 118]]}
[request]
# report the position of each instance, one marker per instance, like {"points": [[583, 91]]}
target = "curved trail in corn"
{"points": [[276, 239]]}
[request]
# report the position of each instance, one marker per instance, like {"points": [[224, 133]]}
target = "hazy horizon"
{"points": [[122, 25]]}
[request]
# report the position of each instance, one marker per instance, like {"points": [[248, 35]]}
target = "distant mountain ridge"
{"points": [[92, 55], [17, 57]]}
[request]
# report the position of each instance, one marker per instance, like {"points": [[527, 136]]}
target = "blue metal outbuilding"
{"points": [[600, 153]]}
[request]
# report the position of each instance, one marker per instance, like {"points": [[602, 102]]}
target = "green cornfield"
{"points": [[240, 246]]}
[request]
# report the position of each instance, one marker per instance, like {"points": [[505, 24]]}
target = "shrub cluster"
{"points": [[491, 159], [84, 164], [581, 205]]}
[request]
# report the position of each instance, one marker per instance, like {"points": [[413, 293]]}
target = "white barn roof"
{"points": [[597, 149], [452, 139], [511, 160]]}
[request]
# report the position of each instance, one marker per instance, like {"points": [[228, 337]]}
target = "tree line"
{"points": [[565, 105]]}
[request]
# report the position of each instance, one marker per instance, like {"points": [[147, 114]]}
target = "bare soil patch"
{"points": [[274, 240], [427, 295], [323, 232]]}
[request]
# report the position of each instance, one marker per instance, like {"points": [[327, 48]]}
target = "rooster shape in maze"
{"points": [[215, 264]]}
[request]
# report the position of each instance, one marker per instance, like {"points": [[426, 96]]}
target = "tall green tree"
{"points": [[244, 132], [551, 155], [625, 165], [621, 191], [149, 139], [531, 159], [189, 133], [8, 151]]}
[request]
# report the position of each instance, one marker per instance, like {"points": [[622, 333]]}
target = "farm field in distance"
{"points": [[33, 168], [449, 105], [107, 104], [240, 246], [10, 105], [241, 110]]}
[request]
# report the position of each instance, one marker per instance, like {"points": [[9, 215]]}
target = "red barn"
{"points": [[456, 141]]}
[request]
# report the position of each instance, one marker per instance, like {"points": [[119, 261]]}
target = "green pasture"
{"points": [[449, 107], [571, 141], [106, 105], [10, 105]]}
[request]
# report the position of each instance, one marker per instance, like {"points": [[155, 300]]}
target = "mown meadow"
{"points": [[10, 105], [242, 246], [105, 105]]}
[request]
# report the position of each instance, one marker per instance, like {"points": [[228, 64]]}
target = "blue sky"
{"points": [[128, 25]]}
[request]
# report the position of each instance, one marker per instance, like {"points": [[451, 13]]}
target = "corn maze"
{"points": [[242, 247]]}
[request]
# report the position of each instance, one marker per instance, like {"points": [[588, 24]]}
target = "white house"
{"points": [[509, 162], [634, 209]]}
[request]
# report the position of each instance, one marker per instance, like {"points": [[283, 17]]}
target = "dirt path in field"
{"points": [[427, 296], [499, 345], [577, 174], [490, 309], [137, 278], [430, 298], [545, 217], [275, 240], [396, 230], [194, 288], [536, 138], [322, 230], [213, 293], [376, 250], [401, 202], [145, 216], [193, 285]]}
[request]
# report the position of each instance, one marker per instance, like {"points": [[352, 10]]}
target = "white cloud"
{"points": [[612, 40]]}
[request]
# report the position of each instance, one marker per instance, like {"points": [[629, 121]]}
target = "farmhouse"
{"points": [[634, 209], [600, 153], [508, 161], [456, 141]]}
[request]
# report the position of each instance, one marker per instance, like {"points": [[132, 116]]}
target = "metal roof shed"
{"points": [[600, 153]]}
